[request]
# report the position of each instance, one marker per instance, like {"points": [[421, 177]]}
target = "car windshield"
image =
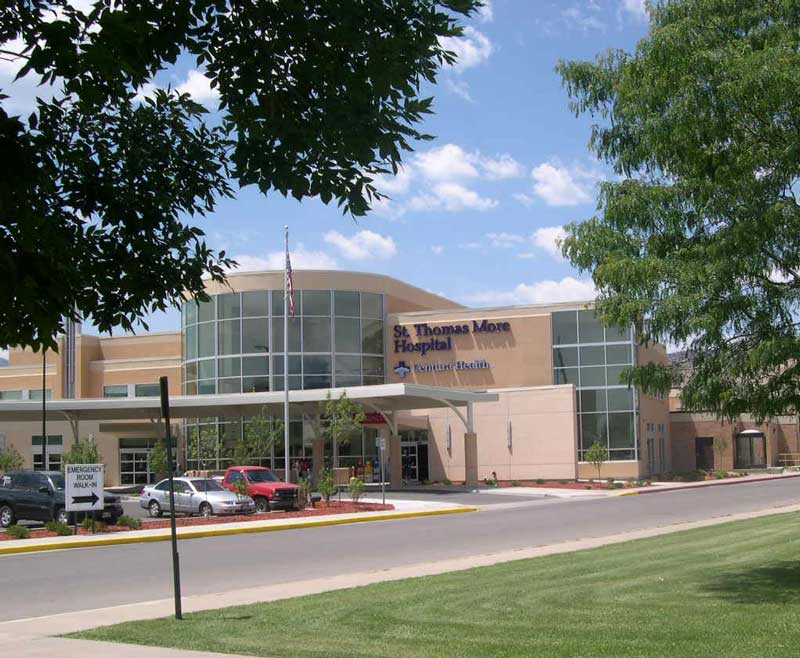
{"points": [[58, 482], [262, 476], [207, 485]]}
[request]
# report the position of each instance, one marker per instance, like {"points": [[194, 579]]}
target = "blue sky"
{"points": [[475, 213]]}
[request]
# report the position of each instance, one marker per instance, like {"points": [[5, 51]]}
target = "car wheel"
{"points": [[154, 508], [205, 510], [6, 516], [62, 516], [262, 504]]}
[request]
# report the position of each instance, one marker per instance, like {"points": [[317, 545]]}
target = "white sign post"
{"points": [[84, 487], [380, 442]]}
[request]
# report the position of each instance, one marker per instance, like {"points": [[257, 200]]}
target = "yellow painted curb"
{"points": [[217, 532], [628, 493]]}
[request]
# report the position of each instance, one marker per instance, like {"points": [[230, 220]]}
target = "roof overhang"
{"points": [[384, 397]]}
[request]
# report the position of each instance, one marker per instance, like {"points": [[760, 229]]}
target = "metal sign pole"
{"points": [[176, 567], [383, 479]]}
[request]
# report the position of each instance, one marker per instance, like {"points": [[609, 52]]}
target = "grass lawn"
{"points": [[730, 590]]}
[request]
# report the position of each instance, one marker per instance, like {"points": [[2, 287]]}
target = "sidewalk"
{"points": [[404, 509], [655, 487], [33, 637]]}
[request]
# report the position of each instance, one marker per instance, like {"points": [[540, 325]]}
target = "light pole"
{"points": [[44, 408]]}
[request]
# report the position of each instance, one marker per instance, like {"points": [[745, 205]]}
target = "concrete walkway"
{"points": [[33, 637], [403, 509]]}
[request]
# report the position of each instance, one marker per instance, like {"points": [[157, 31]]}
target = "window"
{"points": [[316, 302], [205, 311], [229, 306], [51, 460], [36, 394], [565, 328], [346, 304], [255, 365], [147, 390], [206, 340], [255, 336], [372, 336], [316, 334], [229, 334], [235, 476], [347, 335], [565, 357], [115, 391], [190, 313], [589, 328], [254, 304], [371, 306], [163, 486], [229, 367], [10, 395]]}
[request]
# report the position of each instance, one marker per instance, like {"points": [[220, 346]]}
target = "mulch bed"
{"points": [[322, 508], [557, 484]]}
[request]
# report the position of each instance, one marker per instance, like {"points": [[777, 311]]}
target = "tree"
{"points": [[157, 457], [10, 459], [697, 240], [82, 451], [343, 420], [261, 433], [98, 187], [596, 454]]}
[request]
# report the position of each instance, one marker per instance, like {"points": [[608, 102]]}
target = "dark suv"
{"points": [[39, 496]]}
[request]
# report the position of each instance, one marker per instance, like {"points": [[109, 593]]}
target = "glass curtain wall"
{"points": [[234, 344], [593, 357]]}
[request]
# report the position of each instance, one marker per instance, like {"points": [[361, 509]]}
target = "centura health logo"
{"points": [[401, 369]]}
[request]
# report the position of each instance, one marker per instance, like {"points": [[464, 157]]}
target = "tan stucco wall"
{"points": [[544, 436], [399, 296], [781, 437], [519, 357]]}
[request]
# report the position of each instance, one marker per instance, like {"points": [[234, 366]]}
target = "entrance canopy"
{"points": [[386, 399]]}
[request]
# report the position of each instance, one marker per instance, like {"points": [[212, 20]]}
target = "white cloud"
{"points": [[397, 184], [485, 12], [525, 200], [448, 162], [583, 20], [568, 289], [548, 238], [471, 49], [302, 259], [437, 249], [636, 8], [502, 167], [452, 197], [504, 240], [459, 88], [560, 186], [198, 87], [364, 245]]}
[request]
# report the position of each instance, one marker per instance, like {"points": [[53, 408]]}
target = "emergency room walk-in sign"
{"points": [[84, 487]]}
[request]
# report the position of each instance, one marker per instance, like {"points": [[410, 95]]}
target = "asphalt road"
{"points": [[61, 581]]}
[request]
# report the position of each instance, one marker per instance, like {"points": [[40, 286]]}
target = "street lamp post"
{"points": [[44, 408]]}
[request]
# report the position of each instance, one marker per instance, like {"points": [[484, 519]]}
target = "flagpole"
{"points": [[286, 358]]}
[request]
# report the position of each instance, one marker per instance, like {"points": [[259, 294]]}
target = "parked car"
{"points": [[39, 496], [266, 489], [202, 496]]}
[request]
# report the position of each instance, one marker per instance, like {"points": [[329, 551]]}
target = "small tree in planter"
{"points": [[10, 459], [261, 433], [158, 461], [83, 451], [327, 484], [356, 489], [344, 420], [596, 454]]}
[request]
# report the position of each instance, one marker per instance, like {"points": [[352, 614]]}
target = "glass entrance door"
{"points": [[408, 454]]}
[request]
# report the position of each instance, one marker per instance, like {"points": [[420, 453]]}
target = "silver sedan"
{"points": [[202, 496]]}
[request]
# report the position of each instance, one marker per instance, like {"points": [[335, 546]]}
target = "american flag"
{"points": [[289, 285]]}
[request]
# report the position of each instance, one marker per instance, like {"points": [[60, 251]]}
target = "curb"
{"points": [[711, 483], [217, 532]]}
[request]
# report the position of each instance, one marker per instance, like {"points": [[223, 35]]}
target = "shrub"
{"points": [[89, 523], [130, 521], [539, 481], [240, 488], [305, 491], [10, 459], [490, 482], [356, 488], [327, 484], [610, 482], [447, 481], [515, 483], [61, 529], [18, 532], [596, 455], [720, 474], [587, 486]]}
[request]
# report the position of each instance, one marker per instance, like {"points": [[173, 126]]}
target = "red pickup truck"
{"points": [[266, 489]]}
